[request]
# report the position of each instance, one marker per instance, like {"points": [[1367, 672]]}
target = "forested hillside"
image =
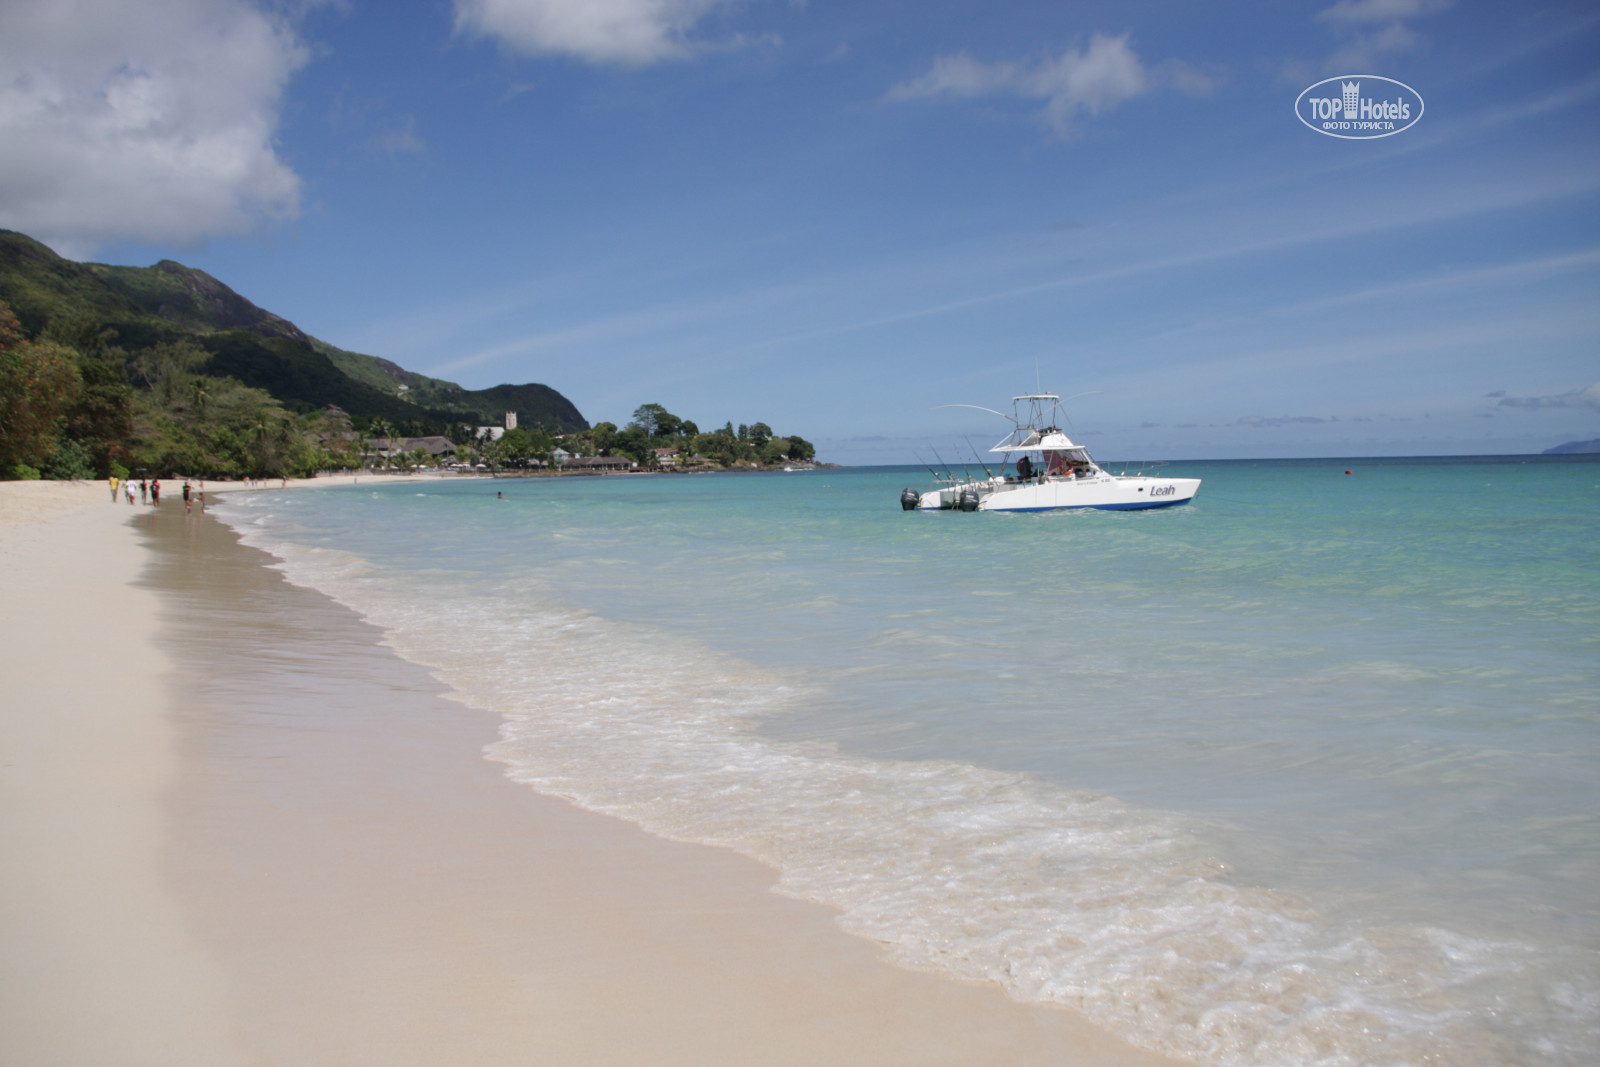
{"points": [[165, 367]]}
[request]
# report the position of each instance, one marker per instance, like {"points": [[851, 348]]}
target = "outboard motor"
{"points": [[909, 499], [968, 500]]}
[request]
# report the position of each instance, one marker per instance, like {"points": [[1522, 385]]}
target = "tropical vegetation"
{"points": [[109, 370], [653, 429]]}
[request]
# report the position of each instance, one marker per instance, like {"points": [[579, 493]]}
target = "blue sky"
{"points": [[835, 217]]}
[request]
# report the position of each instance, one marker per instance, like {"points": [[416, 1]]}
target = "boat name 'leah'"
{"points": [[1164, 490]]}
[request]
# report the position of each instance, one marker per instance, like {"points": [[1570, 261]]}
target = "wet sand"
{"points": [[249, 833]]}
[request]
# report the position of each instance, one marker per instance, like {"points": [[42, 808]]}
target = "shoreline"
{"points": [[327, 869]]}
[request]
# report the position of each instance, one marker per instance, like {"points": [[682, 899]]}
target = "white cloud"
{"points": [[399, 139], [1358, 11], [1091, 80], [1390, 34], [147, 120], [1578, 398], [627, 32], [1360, 53]]}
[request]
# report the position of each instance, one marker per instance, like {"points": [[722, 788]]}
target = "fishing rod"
{"points": [[1015, 426], [977, 407], [966, 475], [986, 471], [925, 463], [948, 475]]}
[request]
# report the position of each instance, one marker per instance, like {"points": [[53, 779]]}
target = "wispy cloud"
{"points": [[1441, 210], [748, 320], [1361, 12], [1260, 423], [1578, 398], [1090, 81], [1374, 27], [401, 139], [1382, 346], [652, 321], [630, 33], [1442, 284]]}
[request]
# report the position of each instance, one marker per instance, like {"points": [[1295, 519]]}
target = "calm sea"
{"points": [[1307, 772]]}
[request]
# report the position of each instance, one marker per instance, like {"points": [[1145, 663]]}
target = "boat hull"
{"points": [[1105, 493]]}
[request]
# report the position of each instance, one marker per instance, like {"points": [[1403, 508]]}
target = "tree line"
{"points": [[653, 427], [74, 404]]}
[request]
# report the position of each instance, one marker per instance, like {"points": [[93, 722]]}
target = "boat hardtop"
{"points": [[1063, 476]]}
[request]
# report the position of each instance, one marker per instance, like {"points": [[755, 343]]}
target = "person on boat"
{"points": [[1024, 468]]}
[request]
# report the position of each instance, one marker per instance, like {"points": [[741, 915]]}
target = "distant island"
{"points": [[107, 370], [1574, 448]]}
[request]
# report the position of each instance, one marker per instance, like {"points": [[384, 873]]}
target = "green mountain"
{"points": [[147, 306]]}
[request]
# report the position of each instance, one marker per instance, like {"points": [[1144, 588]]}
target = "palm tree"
{"points": [[382, 428], [260, 431]]}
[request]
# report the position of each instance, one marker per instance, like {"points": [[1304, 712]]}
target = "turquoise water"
{"points": [[1304, 772]]}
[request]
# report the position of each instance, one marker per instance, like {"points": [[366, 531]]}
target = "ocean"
{"points": [[1305, 772]]}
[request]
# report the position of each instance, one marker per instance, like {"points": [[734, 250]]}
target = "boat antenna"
{"points": [[1062, 404]]}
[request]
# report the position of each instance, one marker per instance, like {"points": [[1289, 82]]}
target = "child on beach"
{"points": [[113, 481], [128, 485], [155, 492]]}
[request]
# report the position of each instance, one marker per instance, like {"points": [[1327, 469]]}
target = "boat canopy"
{"points": [[1036, 441]]}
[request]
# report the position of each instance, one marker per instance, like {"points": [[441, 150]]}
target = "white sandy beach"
{"points": [[229, 840]]}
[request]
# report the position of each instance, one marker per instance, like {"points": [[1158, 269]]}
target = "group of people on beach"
{"points": [[150, 492]]}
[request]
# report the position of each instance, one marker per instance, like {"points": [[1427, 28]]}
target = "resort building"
{"points": [[598, 463], [385, 448]]}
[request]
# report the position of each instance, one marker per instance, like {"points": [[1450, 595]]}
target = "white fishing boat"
{"points": [[1049, 471]]}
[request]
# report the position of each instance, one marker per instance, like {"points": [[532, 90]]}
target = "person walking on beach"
{"points": [[113, 481], [128, 485], [144, 490], [155, 492], [186, 496]]}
